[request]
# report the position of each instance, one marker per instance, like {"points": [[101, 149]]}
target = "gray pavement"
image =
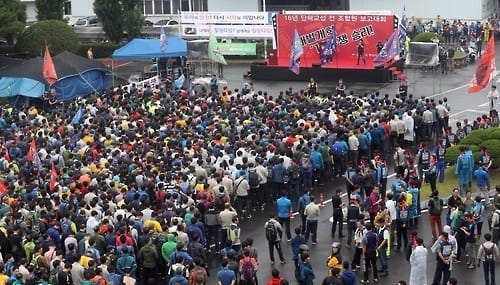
{"points": [[453, 86]]}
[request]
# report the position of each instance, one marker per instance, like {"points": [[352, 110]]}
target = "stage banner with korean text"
{"points": [[351, 27]]}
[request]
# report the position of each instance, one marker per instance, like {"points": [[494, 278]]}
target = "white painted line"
{"points": [[459, 87], [484, 104], [448, 91]]}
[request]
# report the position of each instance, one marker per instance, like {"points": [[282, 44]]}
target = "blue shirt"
{"points": [[481, 177], [226, 276], [284, 207]]}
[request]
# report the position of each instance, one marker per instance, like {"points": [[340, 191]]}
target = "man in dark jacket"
{"points": [[148, 257]]}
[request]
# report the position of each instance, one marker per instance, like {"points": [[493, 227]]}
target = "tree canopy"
{"points": [[49, 9], [119, 17], [56, 34], [12, 19]]}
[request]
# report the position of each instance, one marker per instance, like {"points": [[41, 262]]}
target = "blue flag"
{"points": [[330, 48], [296, 52], [402, 28], [78, 117], [391, 49], [180, 81], [163, 40]]}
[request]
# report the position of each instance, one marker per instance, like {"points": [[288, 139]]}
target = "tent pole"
{"points": [[113, 72]]}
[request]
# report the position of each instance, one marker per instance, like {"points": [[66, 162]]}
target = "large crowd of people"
{"points": [[147, 184]]}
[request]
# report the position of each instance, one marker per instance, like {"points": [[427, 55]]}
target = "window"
{"points": [[166, 7], [148, 7], [185, 5], [157, 6], [67, 8]]}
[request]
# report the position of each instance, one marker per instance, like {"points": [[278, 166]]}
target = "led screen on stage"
{"points": [[315, 29]]}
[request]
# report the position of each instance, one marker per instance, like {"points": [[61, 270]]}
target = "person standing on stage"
{"points": [[361, 51]]}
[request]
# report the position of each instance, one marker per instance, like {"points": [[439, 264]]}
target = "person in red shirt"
{"points": [[275, 279]]}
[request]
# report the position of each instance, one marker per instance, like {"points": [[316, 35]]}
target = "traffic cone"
{"points": [[321, 204]]}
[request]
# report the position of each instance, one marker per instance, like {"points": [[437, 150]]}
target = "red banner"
{"points": [[315, 29], [485, 69]]}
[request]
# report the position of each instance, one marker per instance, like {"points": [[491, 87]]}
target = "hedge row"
{"points": [[101, 50], [490, 138]]}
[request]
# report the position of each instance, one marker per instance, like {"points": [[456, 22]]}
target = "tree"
{"points": [[49, 9], [56, 34], [134, 19], [12, 19], [119, 16]]}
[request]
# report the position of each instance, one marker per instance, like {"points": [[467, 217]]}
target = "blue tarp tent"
{"points": [[150, 48], [78, 77], [81, 77], [25, 79]]}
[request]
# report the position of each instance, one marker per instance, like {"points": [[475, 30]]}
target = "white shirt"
{"points": [[391, 208]]}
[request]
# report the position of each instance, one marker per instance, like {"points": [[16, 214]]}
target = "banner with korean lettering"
{"points": [[315, 30], [232, 18], [228, 31]]}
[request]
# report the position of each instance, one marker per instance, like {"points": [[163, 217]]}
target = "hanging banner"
{"points": [[238, 48], [234, 18], [351, 27], [228, 31]]}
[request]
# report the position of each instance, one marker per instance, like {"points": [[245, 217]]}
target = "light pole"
{"points": [[265, 39]]}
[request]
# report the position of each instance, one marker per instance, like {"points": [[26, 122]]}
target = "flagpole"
{"points": [[265, 39]]}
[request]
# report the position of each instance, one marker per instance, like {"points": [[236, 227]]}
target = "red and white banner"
{"points": [[315, 28]]}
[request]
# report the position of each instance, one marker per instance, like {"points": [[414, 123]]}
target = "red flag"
{"points": [[49, 71], [3, 188], [32, 152], [485, 69], [53, 178]]}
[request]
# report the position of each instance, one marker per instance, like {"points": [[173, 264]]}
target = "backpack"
{"points": [[65, 228], [98, 281], [303, 201], [247, 269], [199, 276], [253, 178], [437, 208], [233, 233], [53, 277], [114, 279], [294, 173], [488, 252], [371, 242], [337, 149], [271, 234]]}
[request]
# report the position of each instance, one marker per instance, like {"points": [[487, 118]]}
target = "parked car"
{"points": [[165, 22], [88, 22], [148, 23]]}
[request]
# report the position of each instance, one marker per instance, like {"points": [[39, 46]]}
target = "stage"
{"points": [[262, 71]]}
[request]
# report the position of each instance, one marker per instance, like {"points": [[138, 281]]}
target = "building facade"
{"points": [[465, 10]]}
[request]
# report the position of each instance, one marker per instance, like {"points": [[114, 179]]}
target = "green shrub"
{"points": [[101, 50], [56, 34], [475, 140], [427, 37], [452, 154]]}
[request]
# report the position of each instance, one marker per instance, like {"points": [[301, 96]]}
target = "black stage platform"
{"points": [[261, 71]]}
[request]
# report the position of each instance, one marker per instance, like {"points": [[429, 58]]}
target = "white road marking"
{"points": [[484, 104], [460, 87]]}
